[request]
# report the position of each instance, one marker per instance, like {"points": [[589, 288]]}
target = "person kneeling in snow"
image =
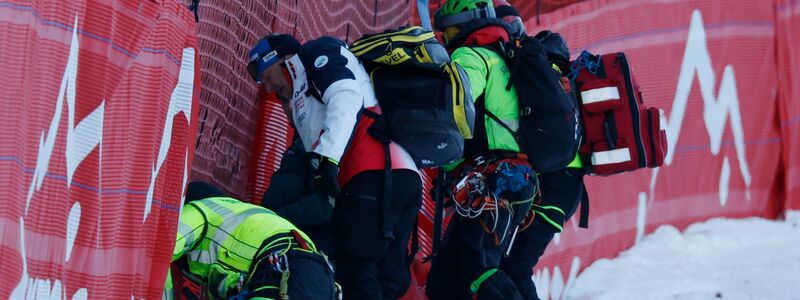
{"points": [[244, 251]]}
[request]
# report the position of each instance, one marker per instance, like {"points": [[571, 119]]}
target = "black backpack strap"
{"points": [[414, 244], [384, 204], [194, 7], [481, 103], [380, 135], [268, 245], [450, 226], [438, 198], [387, 192], [503, 124], [583, 222]]}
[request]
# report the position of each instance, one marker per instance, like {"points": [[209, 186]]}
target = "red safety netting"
{"points": [[99, 108], [527, 9], [787, 13], [241, 138], [711, 65], [98, 117]]}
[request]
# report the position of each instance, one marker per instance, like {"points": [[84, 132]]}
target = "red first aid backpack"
{"points": [[620, 133]]}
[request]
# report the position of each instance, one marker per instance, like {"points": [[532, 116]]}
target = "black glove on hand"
{"points": [[326, 176], [556, 48]]}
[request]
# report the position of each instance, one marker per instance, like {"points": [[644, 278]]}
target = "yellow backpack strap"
{"points": [[458, 92]]}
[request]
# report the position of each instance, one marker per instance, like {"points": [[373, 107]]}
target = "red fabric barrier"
{"points": [[713, 66], [90, 88], [271, 140], [99, 103], [787, 15], [527, 9]]}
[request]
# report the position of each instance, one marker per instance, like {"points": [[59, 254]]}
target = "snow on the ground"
{"points": [[751, 258]]}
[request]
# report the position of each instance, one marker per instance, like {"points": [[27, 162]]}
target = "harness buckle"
{"points": [[480, 160]]}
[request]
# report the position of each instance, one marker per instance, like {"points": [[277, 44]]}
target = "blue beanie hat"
{"points": [[268, 50]]}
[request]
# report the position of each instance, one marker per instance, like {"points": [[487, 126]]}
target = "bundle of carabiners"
{"points": [[478, 188]]}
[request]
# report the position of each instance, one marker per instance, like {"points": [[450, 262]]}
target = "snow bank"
{"points": [[750, 258]]}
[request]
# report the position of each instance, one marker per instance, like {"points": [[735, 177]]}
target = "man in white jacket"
{"points": [[327, 89]]}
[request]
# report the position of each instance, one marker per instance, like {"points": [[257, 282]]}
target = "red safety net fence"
{"points": [[241, 136], [527, 9], [98, 104], [725, 73], [100, 114], [787, 35]]}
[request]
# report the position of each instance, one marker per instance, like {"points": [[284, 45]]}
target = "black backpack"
{"points": [[549, 125], [426, 102], [425, 99]]}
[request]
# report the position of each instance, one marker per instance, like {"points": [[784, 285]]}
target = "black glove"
{"points": [[555, 47], [326, 176]]}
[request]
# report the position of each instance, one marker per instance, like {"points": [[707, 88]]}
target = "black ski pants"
{"points": [[469, 250], [563, 189], [370, 265]]}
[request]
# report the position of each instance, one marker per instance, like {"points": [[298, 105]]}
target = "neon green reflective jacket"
{"points": [[488, 77], [498, 100], [220, 237]]}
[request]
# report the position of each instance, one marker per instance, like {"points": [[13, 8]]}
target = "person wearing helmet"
{"points": [[509, 14], [561, 190], [327, 90], [495, 185], [244, 251]]}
